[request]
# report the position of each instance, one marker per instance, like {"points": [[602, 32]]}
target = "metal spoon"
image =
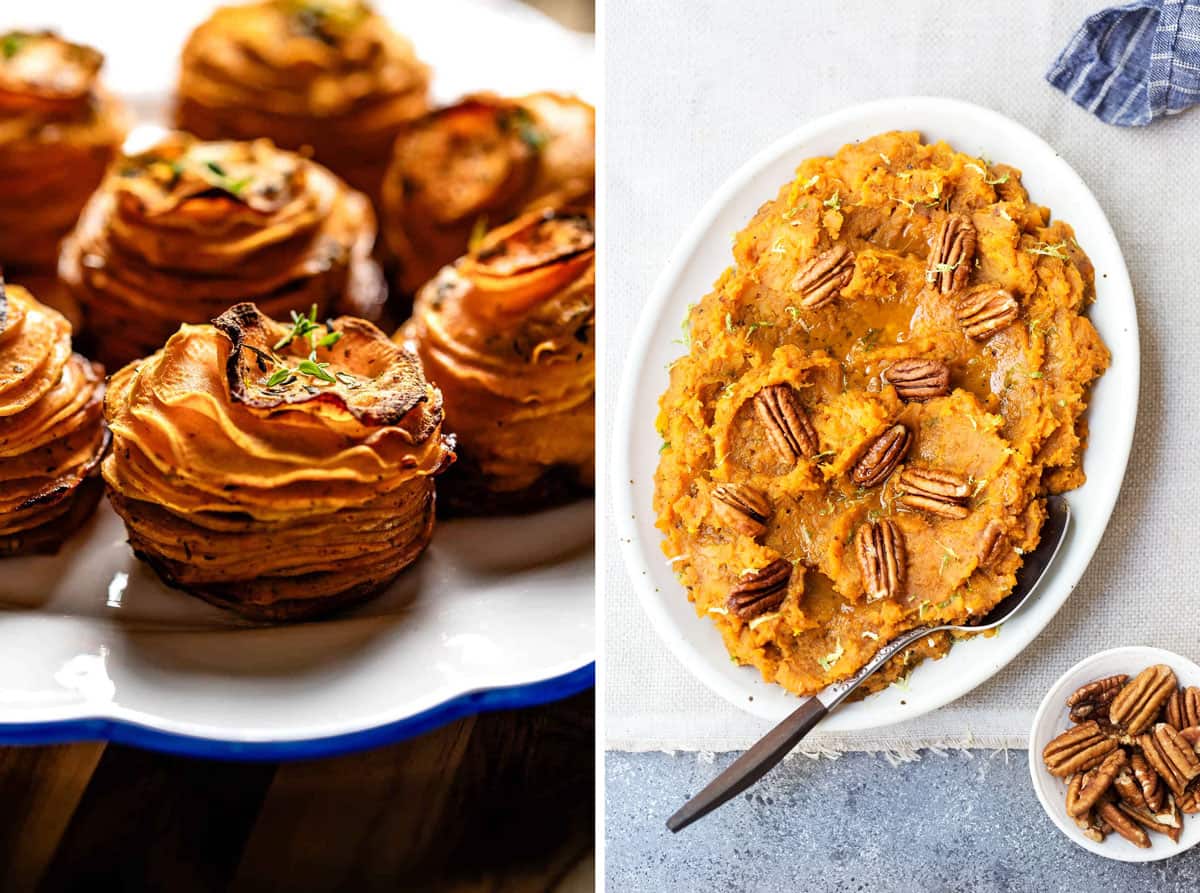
{"points": [[776, 744]]}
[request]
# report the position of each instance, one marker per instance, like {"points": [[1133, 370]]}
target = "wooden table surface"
{"points": [[496, 802]]}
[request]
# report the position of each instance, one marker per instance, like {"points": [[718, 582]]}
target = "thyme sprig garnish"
{"points": [[520, 120], [306, 326], [226, 182]]}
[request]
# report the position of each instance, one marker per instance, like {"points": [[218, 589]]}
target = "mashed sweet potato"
{"points": [[879, 394]]}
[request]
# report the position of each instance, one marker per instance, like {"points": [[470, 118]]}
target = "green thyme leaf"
{"points": [[302, 326], [316, 370], [279, 376], [11, 44]]}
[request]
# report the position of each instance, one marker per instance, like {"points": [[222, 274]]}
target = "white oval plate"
{"points": [[699, 259], [1052, 719], [499, 613]]}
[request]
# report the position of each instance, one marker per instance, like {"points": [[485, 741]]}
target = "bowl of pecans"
{"points": [[1114, 753]]}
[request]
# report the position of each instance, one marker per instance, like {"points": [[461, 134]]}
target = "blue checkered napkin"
{"points": [[1131, 64]]}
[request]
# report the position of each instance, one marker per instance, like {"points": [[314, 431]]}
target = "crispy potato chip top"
{"points": [[252, 415]]}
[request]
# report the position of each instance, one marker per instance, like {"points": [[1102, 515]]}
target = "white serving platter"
{"points": [[498, 613], [699, 258]]}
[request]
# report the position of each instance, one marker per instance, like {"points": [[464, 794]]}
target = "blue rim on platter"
{"points": [[119, 731]]}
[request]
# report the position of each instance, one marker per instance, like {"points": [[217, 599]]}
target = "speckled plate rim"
{"points": [[137, 734], [1051, 720], [693, 640]]}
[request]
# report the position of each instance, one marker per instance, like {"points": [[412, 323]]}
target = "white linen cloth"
{"points": [[692, 91]]}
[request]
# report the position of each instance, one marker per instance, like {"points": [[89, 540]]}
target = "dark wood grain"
{"points": [[178, 824], [498, 802], [39, 790]]}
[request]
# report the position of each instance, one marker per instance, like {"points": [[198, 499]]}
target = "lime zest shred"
{"points": [[832, 657]]}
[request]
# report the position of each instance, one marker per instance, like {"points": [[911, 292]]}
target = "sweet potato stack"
{"points": [[507, 333], [185, 229], [476, 165], [52, 436], [58, 132], [281, 471], [328, 74]]}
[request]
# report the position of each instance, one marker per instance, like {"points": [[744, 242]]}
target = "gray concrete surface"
{"points": [[967, 821]]}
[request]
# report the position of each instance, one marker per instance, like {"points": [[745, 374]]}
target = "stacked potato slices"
{"points": [[507, 333], [479, 164], [52, 434], [328, 74], [58, 133], [282, 471], [178, 233]]}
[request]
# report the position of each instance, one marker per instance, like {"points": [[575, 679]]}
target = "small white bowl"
{"points": [[1052, 719]]}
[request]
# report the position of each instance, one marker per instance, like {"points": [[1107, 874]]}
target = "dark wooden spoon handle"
{"points": [[752, 765]]}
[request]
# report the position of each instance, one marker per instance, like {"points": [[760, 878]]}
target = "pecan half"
{"points": [[1189, 802], [762, 591], [882, 457], [993, 543], [1077, 750], [951, 254], [1093, 828], [882, 558], [786, 422], [1183, 707], [820, 279], [1074, 786], [1092, 700], [1124, 825], [741, 507], [936, 491], [1148, 781], [1192, 736], [1137, 704], [917, 380], [1097, 783], [1129, 791], [987, 310], [1160, 824], [1172, 757]]}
